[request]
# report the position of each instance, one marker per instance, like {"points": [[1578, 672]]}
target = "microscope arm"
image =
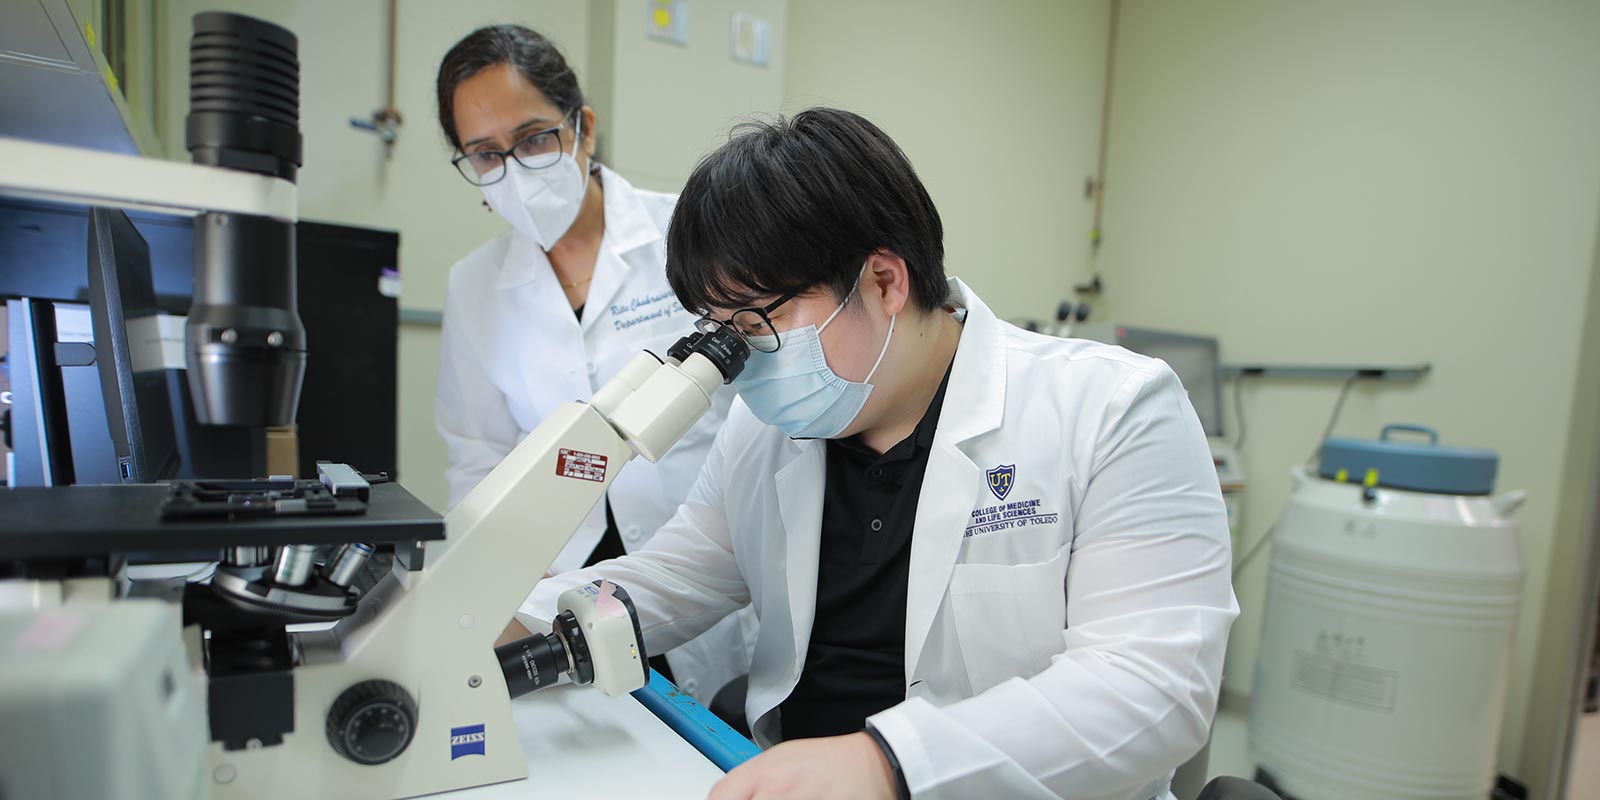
{"points": [[505, 534]]}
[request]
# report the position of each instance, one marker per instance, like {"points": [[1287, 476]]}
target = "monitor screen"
{"points": [[1195, 360], [122, 305]]}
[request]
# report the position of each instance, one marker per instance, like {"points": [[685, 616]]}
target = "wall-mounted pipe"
{"points": [[1105, 124], [385, 122], [1098, 184]]}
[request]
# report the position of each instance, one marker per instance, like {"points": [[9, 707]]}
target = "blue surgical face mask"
{"points": [[795, 389]]}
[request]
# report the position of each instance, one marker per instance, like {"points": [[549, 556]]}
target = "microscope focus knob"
{"points": [[372, 722]]}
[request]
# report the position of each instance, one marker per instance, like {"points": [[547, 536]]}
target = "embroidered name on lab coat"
{"points": [[643, 309]]}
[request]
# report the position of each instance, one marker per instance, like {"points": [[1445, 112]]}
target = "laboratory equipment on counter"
{"points": [[1066, 315], [389, 701], [58, 420], [1230, 473], [99, 701], [1391, 606], [244, 342]]}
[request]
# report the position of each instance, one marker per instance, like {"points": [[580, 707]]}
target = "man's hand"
{"points": [[833, 768], [514, 632]]}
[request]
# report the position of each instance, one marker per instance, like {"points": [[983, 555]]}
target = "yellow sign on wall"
{"points": [[668, 21]]}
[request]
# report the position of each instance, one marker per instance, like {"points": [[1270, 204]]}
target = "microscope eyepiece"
{"points": [[722, 346], [684, 347]]}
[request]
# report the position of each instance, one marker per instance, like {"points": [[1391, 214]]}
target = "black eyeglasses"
{"points": [[752, 324], [534, 151]]}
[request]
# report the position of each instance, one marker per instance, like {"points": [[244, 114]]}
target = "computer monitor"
{"points": [[1194, 358], [349, 314], [133, 377]]}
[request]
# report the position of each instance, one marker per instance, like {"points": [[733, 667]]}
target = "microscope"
{"points": [[388, 701], [313, 688]]}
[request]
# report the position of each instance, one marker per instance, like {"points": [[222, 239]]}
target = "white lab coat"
{"points": [[1065, 625], [513, 351]]}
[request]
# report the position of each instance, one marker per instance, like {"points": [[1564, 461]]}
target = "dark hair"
{"points": [[792, 204], [534, 56]]}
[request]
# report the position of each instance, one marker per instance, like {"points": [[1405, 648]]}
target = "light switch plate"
{"points": [[750, 40]]}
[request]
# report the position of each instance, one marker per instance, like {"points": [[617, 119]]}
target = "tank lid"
{"points": [[1414, 466]]}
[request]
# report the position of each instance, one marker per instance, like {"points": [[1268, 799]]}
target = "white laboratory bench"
{"points": [[580, 743]]}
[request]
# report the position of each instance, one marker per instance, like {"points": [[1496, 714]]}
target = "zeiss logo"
{"points": [[466, 741]]}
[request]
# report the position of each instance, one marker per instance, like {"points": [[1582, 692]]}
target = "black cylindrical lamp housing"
{"points": [[245, 345]]}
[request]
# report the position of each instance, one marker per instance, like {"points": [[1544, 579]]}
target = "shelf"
{"points": [[1382, 372]]}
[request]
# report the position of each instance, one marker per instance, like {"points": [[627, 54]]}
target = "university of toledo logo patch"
{"points": [[466, 741], [1001, 478]]}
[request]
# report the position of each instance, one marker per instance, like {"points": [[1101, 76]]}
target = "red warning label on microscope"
{"points": [[581, 465]]}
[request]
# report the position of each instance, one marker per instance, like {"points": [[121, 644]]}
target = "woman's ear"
{"points": [[587, 115]]}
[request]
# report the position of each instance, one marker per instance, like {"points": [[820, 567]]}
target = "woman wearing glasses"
{"points": [[549, 310]]}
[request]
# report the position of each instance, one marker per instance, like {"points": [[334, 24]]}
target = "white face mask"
{"points": [[541, 203]]}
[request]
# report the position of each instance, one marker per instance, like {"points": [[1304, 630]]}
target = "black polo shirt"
{"points": [[855, 663]]}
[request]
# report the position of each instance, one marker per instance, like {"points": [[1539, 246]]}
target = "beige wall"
{"points": [[997, 104], [662, 105], [1336, 182], [346, 178]]}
